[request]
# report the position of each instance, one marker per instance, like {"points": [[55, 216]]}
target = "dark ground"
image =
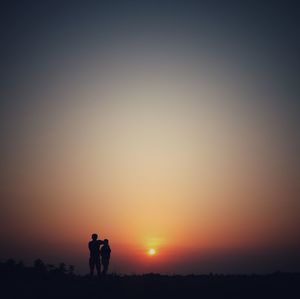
{"points": [[43, 281]]}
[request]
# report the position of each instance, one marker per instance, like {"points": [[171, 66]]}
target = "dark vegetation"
{"points": [[48, 281]]}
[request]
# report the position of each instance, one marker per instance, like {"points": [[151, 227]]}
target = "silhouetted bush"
{"points": [[39, 266]]}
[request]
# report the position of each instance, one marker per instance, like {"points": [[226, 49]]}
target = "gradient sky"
{"points": [[171, 125]]}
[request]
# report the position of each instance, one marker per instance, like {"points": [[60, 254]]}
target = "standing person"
{"points": [[94, 247], [105, 255]]}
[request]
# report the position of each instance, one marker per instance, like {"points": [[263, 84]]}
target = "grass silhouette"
{"points": [[49, 281]]}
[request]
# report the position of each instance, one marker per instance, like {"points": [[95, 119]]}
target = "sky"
{"points": [[171, 125]]}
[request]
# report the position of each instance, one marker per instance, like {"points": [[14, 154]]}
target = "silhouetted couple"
{"points": [[96, 252]]}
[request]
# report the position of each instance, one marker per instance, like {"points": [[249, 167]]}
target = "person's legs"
{"points": [[105, 263], [98, 266], [92, 266]]}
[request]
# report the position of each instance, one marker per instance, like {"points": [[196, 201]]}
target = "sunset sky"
{"points": [[171, 125]]}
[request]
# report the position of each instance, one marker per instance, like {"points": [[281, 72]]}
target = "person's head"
{"points": [[94, 237], [105, 242]]}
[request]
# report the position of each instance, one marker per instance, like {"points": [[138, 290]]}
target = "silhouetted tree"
{"points": [[62, 268], [10, 263], [71, 270], [50, 267], [39, 266]]}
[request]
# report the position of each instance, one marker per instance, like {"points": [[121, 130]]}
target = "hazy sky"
{"points": [[171, 125]]}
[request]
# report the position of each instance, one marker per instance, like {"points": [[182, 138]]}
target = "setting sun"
{"points": [[151, 251]]}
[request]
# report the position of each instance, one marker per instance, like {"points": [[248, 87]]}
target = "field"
{"points": [[41, 282]]}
